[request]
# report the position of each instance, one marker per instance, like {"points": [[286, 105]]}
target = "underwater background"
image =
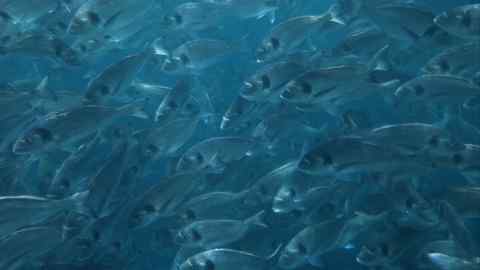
{"points": [[239, 134]]}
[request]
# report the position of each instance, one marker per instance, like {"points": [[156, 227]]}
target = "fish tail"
{"points": [[135, 109], [257, 219]]}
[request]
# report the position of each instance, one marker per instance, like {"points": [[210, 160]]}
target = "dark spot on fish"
{"points": [[384, 249], [306, 88], [189, 214], [275, 43], [65, 183], [467, 19], [209, 265], [196, 236], [457, 159], [96, 235], [185, 59], [301, 248], [431, 31], [178, 18], [44, 134], [327, 159], [172, 104], [117, 245], [83, 48], [419, 90], [93, 18], [263, 189], [434, 141], [104, 89], [409, 203], [5, 16], [151, 149], [149, 208], [346, 47], [444, 66], [266, 82]]}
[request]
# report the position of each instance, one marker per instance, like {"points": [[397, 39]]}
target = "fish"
{"points": [[217, 233], [164, 201], [460, 21], [290, 34], [114, 79], [60, 128], [228, 259], [215, 153], [35, 210]]}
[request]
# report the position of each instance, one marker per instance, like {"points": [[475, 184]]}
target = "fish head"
{"points": [[437, 66], [284, 200], [142, 215], [192, 161], [61, 186], [451, 21], [297, 91], [171, 65], [198, 262], [315, 161], [188, 236], [294, 255], [98, 91], [410, 92], [69, 56], [172, 21], [267, 50], [84, 22], [33, 140]]}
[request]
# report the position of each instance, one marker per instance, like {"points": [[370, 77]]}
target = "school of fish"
{"points": [[239, 134]]}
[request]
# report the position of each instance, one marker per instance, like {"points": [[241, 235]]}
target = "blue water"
{"points": [[133, 138]]}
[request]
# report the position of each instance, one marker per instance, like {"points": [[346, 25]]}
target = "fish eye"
{"points": [[83, 48], [189, 214], [104, 89], [301, 248], [65, 183], [196, 236], [96, 235], [291, 193], [444, 66], [93, 17], [151, 149], [419, 90], [172, 104], [275, 43], [467, 19], [346, 47], [327, 159], [266, 82], [178, 18], [208, 265], [117, 245], [306, 162], [384, 249], [457, 159], [434, 141], [42, 133], [306, 88], [263, 189], [149, 208], [184, 58]]}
